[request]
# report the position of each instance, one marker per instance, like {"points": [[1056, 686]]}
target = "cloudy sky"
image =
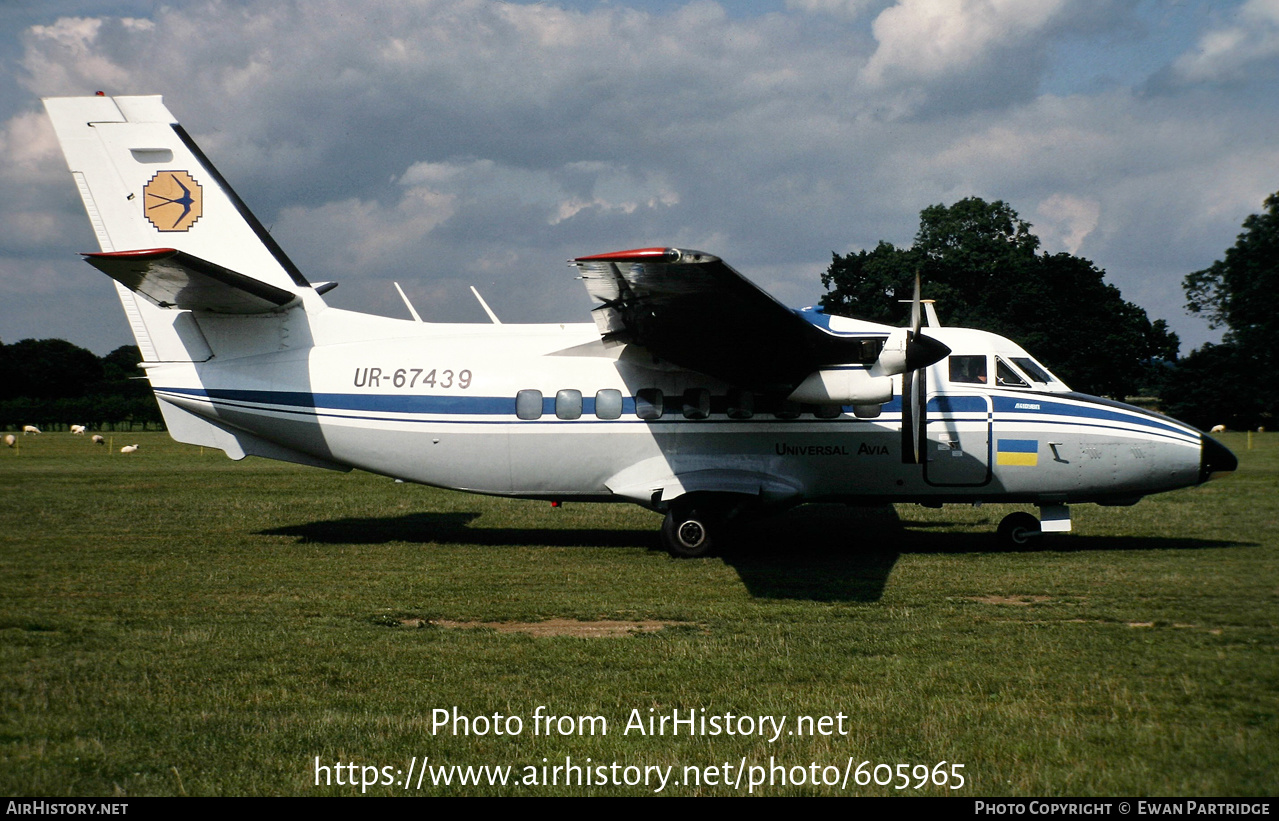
{"points": [[448, 143]]}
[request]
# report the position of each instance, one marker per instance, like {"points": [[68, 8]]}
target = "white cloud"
{"points": [[355, 235], [29, 148], [1064, 221], [75, 39], [34, 178], [922, 40], [1229, 52], [368, 235]]}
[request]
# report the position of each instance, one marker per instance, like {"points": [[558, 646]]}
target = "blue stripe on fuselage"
{"points": [[1011, 408], [1078, 407], [379, 403]]}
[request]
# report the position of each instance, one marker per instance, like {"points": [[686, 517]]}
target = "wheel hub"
{"points": [[692, 534]]}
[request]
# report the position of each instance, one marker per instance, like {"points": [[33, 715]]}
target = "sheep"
{"points": [[78, 430], [30, 429], [10, 441], [1218, 429], [98, 440], [129, 449]]}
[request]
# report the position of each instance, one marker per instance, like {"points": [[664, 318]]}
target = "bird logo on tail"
{"points": [[172, 201]]}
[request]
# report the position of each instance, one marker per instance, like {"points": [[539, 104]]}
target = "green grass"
{"points": [[172, 622]]}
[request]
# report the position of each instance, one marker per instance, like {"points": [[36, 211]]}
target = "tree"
{"points": [[1204, 390], [47, 369], [1238, 293], [122, 363], [52, 382], [982, 264]]}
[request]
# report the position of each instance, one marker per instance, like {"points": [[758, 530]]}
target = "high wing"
{"points": [[693, 310], [175, 279]]}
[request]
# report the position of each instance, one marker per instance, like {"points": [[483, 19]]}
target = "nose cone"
{"points": [[1215, 459]]}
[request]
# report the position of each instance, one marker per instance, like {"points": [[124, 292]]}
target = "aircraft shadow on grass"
{"points": [[827, 553], [455, 528]]}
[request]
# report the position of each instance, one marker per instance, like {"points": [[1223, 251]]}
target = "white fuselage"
{"points": [[437, 404]]}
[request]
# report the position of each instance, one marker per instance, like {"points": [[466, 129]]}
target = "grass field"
{"points": [[172, 622]]}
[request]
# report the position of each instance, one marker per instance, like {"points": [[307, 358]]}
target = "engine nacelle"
{"points": [[843, 386], [892, 359], [904, 352]]}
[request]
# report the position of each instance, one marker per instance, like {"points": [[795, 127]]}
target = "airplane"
{"points": [[693, 392]]}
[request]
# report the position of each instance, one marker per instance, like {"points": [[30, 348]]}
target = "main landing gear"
{"points": [[696, 525], [689, 533]]}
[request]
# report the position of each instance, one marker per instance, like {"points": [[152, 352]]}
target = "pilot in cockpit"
{"points": [[969, 369]]}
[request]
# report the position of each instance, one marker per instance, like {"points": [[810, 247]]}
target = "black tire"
{"points": [[689, 534], [1019, 530]]}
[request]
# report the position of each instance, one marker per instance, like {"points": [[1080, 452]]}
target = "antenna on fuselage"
{"points": [[407, 304], [486, 307], [930, 313]]}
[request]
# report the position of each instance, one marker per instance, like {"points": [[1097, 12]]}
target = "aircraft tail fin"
{"points": [[170, 229]]}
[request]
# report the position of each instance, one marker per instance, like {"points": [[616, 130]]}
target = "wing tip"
{"points": [[654, 255], [140, 254], [634, 255]]}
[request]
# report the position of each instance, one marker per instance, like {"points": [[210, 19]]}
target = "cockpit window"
{"points": [[968, 369], [1006, 377], [1033, 369]]}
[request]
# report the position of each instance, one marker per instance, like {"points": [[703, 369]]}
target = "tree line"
{"points": [[51, 383], [1237, 381], [983, 265]]}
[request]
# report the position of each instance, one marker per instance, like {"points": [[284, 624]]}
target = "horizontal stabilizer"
{"points": [[175, 279]]}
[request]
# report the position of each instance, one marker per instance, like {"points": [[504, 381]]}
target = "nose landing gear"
{"points": [[1019, 530]]}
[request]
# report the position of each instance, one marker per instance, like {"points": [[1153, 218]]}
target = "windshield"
{"points": [[1006, 377], [1033, 369]]}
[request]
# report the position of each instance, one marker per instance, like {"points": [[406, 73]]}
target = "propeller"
{"points": [[921, 351]]}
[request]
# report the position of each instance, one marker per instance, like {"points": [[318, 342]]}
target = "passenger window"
{"points": [[648, 403], [568, 404], [697, 403], [788, 410], [1006, 377], [608, 404], [968, 369], [741, 404], [528, 404]]}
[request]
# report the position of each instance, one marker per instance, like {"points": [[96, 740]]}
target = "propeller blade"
{"points": [[916, 313], [914, 416], [908, 419], [920, 417], [920, 352]]}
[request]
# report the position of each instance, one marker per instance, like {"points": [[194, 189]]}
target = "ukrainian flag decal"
{"points": [[1017, 452]]}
